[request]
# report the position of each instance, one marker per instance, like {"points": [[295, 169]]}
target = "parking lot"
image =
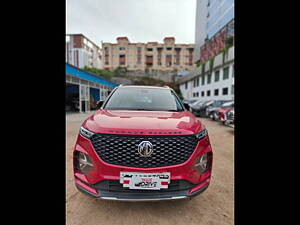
{"points": [[213, 207]]}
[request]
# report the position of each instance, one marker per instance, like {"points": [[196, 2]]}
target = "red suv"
{"points": [[142, 145]]}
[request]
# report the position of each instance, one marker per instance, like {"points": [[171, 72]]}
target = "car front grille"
{"points": [[123, 149]]}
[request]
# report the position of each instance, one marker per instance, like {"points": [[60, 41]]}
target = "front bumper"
{"points": [[144, 196]]}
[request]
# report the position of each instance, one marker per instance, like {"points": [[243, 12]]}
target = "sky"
{"points": [[139, 20]]}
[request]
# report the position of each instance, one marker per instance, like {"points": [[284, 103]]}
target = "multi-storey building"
{"points": [[214, 24], [214, 78], [81, 52], [151, 55]]}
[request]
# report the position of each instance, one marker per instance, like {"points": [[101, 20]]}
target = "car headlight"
{"points": [[83, 162], [86, 133], [204, 163], [202, 134]]}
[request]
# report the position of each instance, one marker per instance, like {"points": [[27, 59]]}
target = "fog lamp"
{"points": [[83, 162], [203, 163]]}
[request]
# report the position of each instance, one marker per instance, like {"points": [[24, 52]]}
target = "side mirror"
{"points": [[99, 104], [187, 106]]}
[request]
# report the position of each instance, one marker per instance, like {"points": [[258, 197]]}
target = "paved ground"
{"points": [[213, 207]]}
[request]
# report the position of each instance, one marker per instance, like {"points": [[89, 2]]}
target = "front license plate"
{"points": [[145, 181]]}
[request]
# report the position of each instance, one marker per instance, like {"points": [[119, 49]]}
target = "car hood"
{"points": [[143, 122]]}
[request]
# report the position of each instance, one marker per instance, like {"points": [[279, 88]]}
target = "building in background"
{"points": [[214, 53], [166, 56], [200, 31], [211, 82], [81, 52], [214, 25], [84, 89]]}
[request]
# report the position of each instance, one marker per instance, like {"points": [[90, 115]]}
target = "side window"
{"points": [[178, 105]]}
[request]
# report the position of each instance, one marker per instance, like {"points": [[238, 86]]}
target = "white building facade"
{"points": [[214, 82], [211, 17], [81, 52]]}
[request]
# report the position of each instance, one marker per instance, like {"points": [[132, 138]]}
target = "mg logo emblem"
{"points": [[145, 148]]}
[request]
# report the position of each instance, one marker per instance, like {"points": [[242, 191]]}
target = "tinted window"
{"points": [[143, 99]]}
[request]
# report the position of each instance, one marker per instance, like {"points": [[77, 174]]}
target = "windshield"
{"points": [[139, 98]]}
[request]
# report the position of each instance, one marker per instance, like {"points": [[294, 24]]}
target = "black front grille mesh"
{"points": [[123, 149]]}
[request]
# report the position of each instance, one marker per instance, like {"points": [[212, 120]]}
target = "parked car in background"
{"points": [[229, 120], [208, 106], [189, 101], [217, 112], [195, 107]]}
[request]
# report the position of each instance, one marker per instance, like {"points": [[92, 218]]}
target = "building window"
{"points": [[186, 85], [169, 48], [225, 91], [207, 93], [149, 49], [122, 48], [217, 76], [232, 70], [122, 59], [202, 93], [203, 80], [105, 48], [216, 92], [209, 78], [197, 82], [232, 89], [226, 73], [139, 48]]}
